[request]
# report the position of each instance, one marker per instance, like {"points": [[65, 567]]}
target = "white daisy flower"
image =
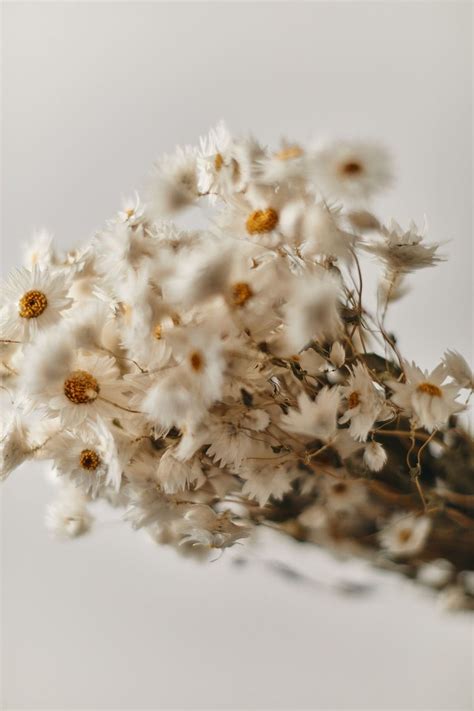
{"points": [[32, 301], [133, 210], [405, 534], [365, 403], [403, 251], [316, 419], [344, 494], [80, 387], [226, 164], [255, 217], [173, 184], [424, 397], [88, 458], [288, 164], [351, 170]]}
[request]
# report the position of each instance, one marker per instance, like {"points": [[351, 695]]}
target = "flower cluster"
{"points": [[216, 379]]}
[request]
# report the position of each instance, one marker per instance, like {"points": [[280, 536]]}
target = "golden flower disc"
{"points": [[261, 221], [353, 400], [32, 304], [197, 361], [352, 167], [430, 389], [81, 387], [89, 459], [241, 293]]}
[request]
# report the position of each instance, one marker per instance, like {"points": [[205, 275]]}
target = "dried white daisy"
{"points": [[32, 301]]}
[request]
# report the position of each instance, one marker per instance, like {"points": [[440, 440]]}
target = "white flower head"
{"points": [[88, 458], [424, 397], [317, 419], [344, 494], [364, 403], [173, 184], [32, 301], [403, 251], [133, 210], [405, 534], [351, 170], [76, 385]]}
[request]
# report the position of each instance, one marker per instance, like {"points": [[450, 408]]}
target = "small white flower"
{"points": [[403, 251], [32, 301], [344, 494], [173, 184], [405, 534], [351, 170], [88, 458], [133, 211], [365, 404], [375, 456], [424, 397], [317, 419]]}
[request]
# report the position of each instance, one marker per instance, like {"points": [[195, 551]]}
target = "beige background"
{"points": [[91, 94]]}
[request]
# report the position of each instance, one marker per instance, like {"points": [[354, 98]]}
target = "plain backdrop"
{"points": [[92, 93]]}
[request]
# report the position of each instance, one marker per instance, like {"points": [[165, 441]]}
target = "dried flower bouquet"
{"points": [[214, 380]]}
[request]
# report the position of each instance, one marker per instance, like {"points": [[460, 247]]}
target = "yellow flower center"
{"points": [[404, 535], [260, 221], [81, 387], [89, 459], [218, 162], [158, 332], [32, 304], [430, 389], [197, 361], [130, 211], [353, 400], [289, 152], [241, 293], [351, 167]]}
